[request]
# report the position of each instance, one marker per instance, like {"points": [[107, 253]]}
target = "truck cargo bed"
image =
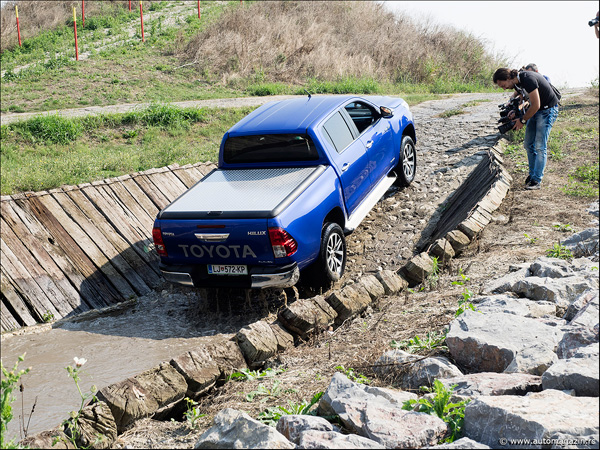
{"points": [[249, 193]]}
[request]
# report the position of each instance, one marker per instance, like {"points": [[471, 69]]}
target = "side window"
{"points": [[362, 115], [337, 132]]}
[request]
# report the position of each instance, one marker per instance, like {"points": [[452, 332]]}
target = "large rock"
{"points": [[227, 355], [588, 315], [258, 342], [144, 395], [412, 371], [236, 429], [561, 291], [491, 383], [377, 414], [580, 302], [496, 421], [388, 424], [490, 342], [578, 374], [341, 387], [97, 426], [373, 286], [461, 443], [584, 243], [292, 426], [458, 240], [333, 440], [417, 269], [307, 316], [506, 282], [511, 305], [200, 371], [574, 338], [350, 301], [392, 282]]}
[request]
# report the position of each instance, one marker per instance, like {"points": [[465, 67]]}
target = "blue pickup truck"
{"points": [[294, 178]]}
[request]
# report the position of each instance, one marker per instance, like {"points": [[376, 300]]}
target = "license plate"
{"points": [[227, 269]]}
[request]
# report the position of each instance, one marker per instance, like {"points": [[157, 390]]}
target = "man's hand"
{"points": [[518, 125]]}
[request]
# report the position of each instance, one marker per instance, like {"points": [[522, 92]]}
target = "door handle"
{"points": [[369, 144], [345, 167]]}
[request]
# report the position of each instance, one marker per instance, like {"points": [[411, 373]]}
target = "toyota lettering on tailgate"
{"points": [[222, 251]]}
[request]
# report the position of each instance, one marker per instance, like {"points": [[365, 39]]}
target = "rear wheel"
{"points": [[329, 266], [407, 166]]}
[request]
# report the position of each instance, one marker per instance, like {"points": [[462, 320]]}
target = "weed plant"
{"points": [[272, 414], [559, 251], [433, 340], [10, 381], [439, 404]]}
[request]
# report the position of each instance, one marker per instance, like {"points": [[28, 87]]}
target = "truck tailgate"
{"points": [[228, 241]]}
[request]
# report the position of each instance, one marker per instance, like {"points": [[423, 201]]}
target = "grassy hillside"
{"points": [[286, 47]]}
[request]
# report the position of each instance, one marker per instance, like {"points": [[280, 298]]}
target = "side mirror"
{"points": [[386, 112]]}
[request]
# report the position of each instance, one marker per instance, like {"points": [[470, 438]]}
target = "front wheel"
{"points": [[407, 166], [329, 266]]}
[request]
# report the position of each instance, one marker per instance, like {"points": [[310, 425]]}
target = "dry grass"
{"points": [[36, 16], [290, 41]]}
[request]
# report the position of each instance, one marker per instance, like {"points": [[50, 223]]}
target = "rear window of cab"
{"points": [[269, 148]]}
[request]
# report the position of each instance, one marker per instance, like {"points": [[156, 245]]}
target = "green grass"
{"points": [[49, 151]]}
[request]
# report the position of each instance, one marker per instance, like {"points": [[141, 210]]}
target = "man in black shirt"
{"points": [[540, 117]]}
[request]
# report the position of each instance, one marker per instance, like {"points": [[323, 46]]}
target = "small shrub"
{"points": [[271, 415], [356, 377], [433, 340], [451, 413], [9, 384], [559, 251]]}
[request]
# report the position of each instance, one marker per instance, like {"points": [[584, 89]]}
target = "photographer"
{"points": [[540, 117]]}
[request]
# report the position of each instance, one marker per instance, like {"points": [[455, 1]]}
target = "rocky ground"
{"points": [[524, 227]]}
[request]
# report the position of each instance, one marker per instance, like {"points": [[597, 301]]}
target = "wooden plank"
{"points": [[60, 302], [154, 194], [107, 248], [27, 285], [15, 304], [35, 247], [141, 197], [168, 184], [185, 176], [89, 295], [89, 247], [132, 205], [7, 320], [125, 249], [120, 221], [142, 227], [66, 238]]}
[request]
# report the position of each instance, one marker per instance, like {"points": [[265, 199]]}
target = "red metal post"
{"points": [[198, 9], [82, 14], [129, 5], [142, 20], [75, 28], [18, 27]]}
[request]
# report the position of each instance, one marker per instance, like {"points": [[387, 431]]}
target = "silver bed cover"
{"points": [[237, 192]]}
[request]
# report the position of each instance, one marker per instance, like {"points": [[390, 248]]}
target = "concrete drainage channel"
{"points": [[159, 392]]}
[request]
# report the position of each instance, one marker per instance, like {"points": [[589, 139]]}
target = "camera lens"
{"points": [[593, 22]]}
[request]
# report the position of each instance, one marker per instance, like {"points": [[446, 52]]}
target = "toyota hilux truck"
{"points": [[294, 178]]}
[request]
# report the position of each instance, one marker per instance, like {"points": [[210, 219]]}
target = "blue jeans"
{"points": [[536, 141]]}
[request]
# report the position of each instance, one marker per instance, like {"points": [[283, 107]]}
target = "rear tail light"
{"points": [[283, 244], [158, 242]]}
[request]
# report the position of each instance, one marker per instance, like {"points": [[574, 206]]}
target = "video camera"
{"points": [[593, 22], [518, 106]]}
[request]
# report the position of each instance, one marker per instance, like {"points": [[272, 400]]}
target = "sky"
{"points": [[555, 35]]}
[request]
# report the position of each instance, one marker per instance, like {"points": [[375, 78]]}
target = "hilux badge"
{"points": [[257, 233]]}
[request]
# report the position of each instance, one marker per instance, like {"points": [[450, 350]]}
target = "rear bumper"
{"points": [[257, 278]]}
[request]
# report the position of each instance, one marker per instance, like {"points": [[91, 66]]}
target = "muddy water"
{"points": [[117, 344]]}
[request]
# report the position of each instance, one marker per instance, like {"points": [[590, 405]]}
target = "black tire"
{"points": [[407, 166], [331, 263]]}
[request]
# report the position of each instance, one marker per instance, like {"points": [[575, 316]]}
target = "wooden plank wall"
{"points": [[77, 248]]}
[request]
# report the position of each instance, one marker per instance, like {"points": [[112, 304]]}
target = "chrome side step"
{"points": [[367, 204]]}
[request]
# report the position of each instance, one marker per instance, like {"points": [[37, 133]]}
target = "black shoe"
{"points": [[533, 185], [527, 180]]}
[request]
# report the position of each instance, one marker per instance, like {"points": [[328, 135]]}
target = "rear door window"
{"points": [[269, 148], [362, 115], [338, 132]]}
